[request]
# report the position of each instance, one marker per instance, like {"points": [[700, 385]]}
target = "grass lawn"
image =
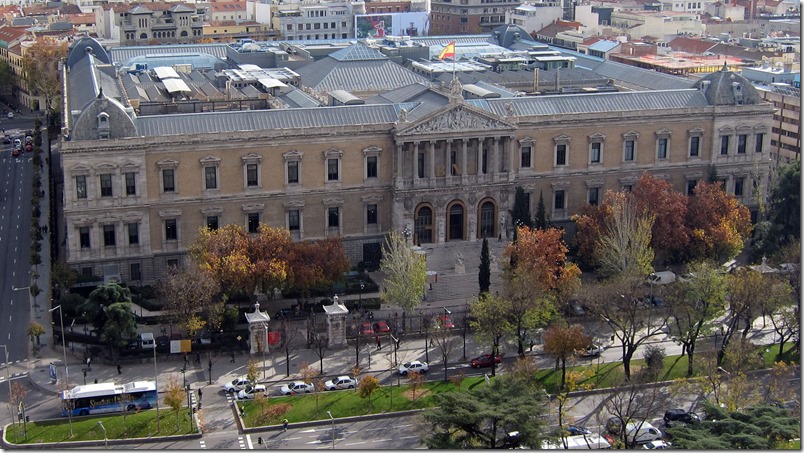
{"points": [[347, 403], [141, 424]]}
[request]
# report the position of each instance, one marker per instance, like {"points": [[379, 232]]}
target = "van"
{"points": [[639, 432], [147, 341], [579, 442]]}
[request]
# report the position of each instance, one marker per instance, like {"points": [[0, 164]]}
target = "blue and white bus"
{"points": [[108, 397]]}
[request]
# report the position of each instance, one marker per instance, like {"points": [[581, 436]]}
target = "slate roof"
{"points": [[595, 103], [604, 45], [691, 45], [86, 81], [212, 122], [299, 99], [356, 74], [358, 52], [121, 54], [721, 90]]}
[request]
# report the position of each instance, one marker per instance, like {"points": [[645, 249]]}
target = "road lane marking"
{"points": [[380, 440], [409, 437], [356, 443], [202, 444], [315, 442], [308, 430], [248, 442]]}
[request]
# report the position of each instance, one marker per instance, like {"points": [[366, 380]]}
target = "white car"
{"points": [[413, 367], [236, 385], [592, 351], [341, 382], [296, 387], [251, 391], [656, 445]]}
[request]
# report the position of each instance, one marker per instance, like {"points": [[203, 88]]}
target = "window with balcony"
{"points": [[171, 230], [131, 183], [253, 222], [83, 237], [109, 239]]}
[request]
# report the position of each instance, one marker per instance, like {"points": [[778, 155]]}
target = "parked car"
{"points": [[381, 327], [656, 445], [283, 313], [674, 417], [574, 430], [11, 115], [413, 367], [251, 391], [366, 329], [295, 387], [15, 153], [236, 385], [445, 322], [593, 350], [341, 382], [485, 360]]}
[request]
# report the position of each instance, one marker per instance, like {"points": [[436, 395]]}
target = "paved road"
{"points": [[15, 250]]}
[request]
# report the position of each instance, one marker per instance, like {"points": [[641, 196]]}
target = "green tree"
{"points": [[35, 330], [63, 276], [484, 276], [520, 214], [540, 222], [120, 325], [490, 322], [696, 303], [103, 296], [482, 416], [785, 201], [406, 273], [187, 290]]}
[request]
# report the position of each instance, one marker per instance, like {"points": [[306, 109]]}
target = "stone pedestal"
{"points": [[336, 324]]}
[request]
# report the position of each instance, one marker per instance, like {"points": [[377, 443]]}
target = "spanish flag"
{"points": [[448, 51]]}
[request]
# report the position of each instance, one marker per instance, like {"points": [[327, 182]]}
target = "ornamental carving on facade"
{"points": [[456, 120]]}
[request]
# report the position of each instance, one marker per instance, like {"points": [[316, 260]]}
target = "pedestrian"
{"points": [[89, 363], [379, 343], [119, 369], [96, 381], [285, 424], [185, 358], [200, 394], [197, 357], [232, 359]]}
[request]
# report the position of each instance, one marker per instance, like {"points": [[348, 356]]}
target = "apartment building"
{"points": [[448, 17]]}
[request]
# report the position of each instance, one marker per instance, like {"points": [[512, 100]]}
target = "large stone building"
{"points": [[421, 157]]}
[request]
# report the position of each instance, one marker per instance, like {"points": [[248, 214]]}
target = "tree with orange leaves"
{"points": [[669, 207], [717, 222], [316, 264], [40, 68], [269, 251], [540, 279], [224, 253]]}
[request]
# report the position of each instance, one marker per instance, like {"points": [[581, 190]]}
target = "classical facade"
{"points": [[138, 188]]}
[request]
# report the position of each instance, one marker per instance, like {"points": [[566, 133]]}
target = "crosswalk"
{"points": [[202, 445], [12, 377], [245, 442]]}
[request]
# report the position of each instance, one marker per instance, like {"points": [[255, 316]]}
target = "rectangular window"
{"points": [[174, 263], [691, 186], [724, 145], [108, 236], [695, 143], [294, 221], [212, 222], [210, 178], [293, 172], [742, 141], [106, 185], [333, 219], [661, 151], [525, 163], [595, 153], [81, 187], [251, 175], [561, 155], [332, 169], [594, 195], [371, 214], [168, 183], [738, 187], [760, 138], [133, 233], [171, 232], [420, 165], [131, 185], [136, 272], [83, 235], [629, 150], [371, 167], [558, 200], [253, 222]]}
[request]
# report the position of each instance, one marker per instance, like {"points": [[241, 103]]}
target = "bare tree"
{"points": [[445, 343], [633, 402], [292, 338], [747, 289]]}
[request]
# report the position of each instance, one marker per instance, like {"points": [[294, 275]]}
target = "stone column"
{"points": [[399, 174], [448, 158], [431, 158], [464, 167], [512, 156], [480, 156], [495, 158], [415, 161]]}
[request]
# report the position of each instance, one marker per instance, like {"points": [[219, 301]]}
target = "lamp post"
{"points": [[184, 375], [8, 379], [105, 438], [360, 296], [264, 343], [63, 347], [406, 233], [156, 384], [333, 428]]}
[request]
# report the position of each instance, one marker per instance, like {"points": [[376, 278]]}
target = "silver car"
{"points": [[340, 383]]}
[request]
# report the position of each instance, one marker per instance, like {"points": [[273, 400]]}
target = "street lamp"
{"points": [[63, 347], [333, 428], [406, 233], [184, 375], [360, 296], [8, 379], [156, 385], [263, 344], [105, 438]]}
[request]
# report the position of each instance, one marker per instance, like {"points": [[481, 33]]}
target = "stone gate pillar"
{"points": [[336, 324], [258, 330]]}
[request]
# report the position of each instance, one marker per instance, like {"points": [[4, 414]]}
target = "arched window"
{"points": [[423, 226], [143, 35], [487, 222], [456, 221]]}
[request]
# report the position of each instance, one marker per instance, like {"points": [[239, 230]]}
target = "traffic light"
{"points": [[259, 440]]}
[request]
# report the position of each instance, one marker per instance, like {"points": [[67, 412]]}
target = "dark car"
{"points": [[284, 313], [485, 360], [674, 417], [574, 430]]}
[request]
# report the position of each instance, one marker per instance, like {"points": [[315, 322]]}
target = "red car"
{"points": [[366, 329], [445, 322], [485, 360], [381, 327]]}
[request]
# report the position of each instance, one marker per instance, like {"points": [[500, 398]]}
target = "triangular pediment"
{"points": [[456, 119]]}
